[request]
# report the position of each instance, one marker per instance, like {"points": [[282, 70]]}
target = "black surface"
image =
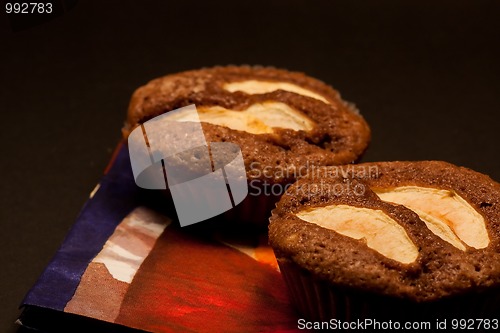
{"points": [[425, 74], [36, 319]]}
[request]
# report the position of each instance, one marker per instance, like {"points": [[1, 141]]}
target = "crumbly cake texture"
{"points": [[440, 270], [340, 134]]}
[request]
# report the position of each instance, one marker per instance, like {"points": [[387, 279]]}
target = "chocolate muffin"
{"points": [[280, 133], [390, 240]]}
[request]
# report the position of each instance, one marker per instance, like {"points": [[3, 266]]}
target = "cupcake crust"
{"points": [[168, 92]]}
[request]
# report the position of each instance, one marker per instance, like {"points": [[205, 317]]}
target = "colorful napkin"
{"points": [[127, 262]]}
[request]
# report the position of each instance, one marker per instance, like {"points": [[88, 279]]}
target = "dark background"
{"points": [[425, 74]]}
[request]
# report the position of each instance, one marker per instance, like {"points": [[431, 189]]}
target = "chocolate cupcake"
{"points": [[393, 240], [281, 133]]}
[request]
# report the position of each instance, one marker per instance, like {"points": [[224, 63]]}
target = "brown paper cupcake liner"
{"points": [[253, 211], [318, 300]]}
